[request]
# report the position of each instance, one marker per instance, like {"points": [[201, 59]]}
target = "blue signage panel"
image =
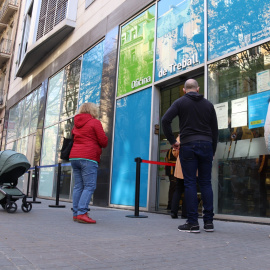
{"points": [[131, 140], [91, 75], [180, 36], [234, 24], [257, 109]]}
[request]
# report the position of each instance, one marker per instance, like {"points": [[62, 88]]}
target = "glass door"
{"points": [[166, 179]]}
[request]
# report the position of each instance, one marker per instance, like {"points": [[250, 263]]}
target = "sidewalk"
{"points": [[47, 238]]}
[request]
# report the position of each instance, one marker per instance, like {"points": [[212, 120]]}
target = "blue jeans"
{"points": [[85, 176], [197, 156]]}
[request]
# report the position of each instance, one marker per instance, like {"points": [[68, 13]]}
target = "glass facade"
{"points": [[159, 49], [23, 117], [48, 157], [66, 90], [91, 75], [234, 24], [54, 99], [22, 127], [239, 86]]}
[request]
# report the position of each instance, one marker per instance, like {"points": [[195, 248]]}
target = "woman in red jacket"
{"points": [[89, 139]]}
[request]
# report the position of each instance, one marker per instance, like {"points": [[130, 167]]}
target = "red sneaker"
{"points": [[75, 218], [85, 219]]}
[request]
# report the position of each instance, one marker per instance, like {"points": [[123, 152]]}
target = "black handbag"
{"points": [[66, 148]]}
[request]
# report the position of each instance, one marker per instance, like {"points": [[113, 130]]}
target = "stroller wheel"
{"points": [[26, 207], [11, 207]]}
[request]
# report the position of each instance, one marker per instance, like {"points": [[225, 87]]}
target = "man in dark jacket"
{"points": [[198, 136]]}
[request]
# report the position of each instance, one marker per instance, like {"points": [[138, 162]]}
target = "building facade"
{"points": [[132, 59], [9, 13]]}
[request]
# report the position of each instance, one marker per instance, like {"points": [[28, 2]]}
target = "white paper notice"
{"points": [[239, 119], [239, 105], [239, 112], [263, 80], [222, 114]]}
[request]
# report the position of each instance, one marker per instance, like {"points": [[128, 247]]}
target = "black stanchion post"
{"points": [[35, 186], [137, 190], [28, 184], [58, 189]]}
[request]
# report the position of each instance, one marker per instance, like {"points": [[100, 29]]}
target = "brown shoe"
{"points": [[85, 219]]}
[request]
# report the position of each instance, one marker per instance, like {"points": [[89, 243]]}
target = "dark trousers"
{"points": [[172, 188], [179, 190], [197, 156]]}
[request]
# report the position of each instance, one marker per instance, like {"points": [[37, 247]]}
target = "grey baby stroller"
{"points": [[12, 166]]}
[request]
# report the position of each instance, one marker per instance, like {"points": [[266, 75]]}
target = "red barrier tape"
{"points": [[158, 163]]}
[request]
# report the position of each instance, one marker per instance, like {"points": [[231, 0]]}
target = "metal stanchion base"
{"points": [[139, 216], [57, 206]]}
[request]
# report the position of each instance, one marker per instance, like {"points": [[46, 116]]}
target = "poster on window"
{"points": [[257, 109], [136, 53], [239, 112], [233, 25], [263, 80], [180, 36], [222, 114]]}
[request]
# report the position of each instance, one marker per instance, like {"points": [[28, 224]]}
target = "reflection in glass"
{"points": [[91, 75], [65, 180], [180, 36], [53, 99], [66, 176], [136, 52], [26, 115], [48, 152], [23, 117], [242, 166], [70, 89], [22, 145], [64, 132], [11, 146], [34, 111], [48, 156], [45, 184], [233, 25], [13, 122]]}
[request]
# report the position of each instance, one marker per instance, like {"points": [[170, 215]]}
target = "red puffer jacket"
{"points": [[89, 137]]}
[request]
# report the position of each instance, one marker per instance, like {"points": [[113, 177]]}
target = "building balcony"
{"points": [[49, 41], [5, 50], [8, 9]]}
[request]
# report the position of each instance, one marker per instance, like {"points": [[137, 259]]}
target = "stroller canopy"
{"points": [[10, 160]]}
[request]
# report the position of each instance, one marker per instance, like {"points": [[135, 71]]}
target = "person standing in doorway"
{"points": [[198, 135], [89, 139], [169, 171], [180, 188]]}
